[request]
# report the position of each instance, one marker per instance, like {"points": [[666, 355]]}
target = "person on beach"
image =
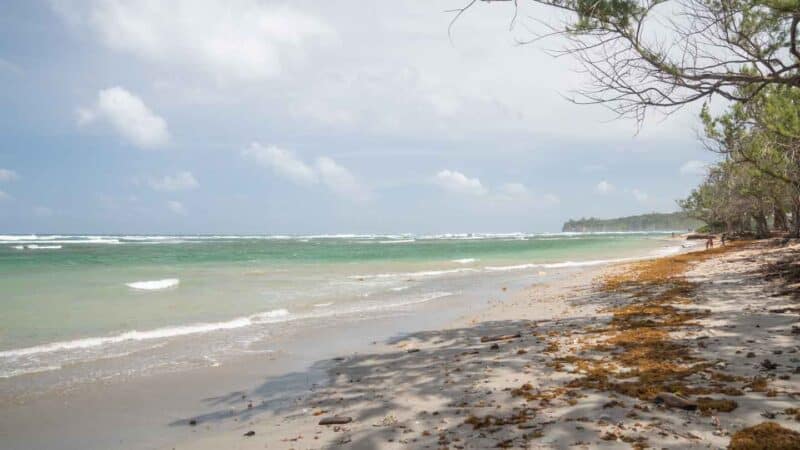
{"points": [[722, 239], [710, 242]]}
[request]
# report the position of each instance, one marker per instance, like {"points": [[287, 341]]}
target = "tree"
{"points": [[701, 48]]}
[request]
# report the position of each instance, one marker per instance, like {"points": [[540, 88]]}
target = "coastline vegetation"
{"points": [[645, 222]]}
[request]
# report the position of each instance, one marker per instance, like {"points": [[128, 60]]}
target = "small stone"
{"points": [[750, 355], [335, 420]]}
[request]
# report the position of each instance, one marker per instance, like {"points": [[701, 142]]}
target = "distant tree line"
{"points": [[678, 221]]}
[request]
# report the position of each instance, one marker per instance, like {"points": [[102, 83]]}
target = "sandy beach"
{"points": [[631, 355]]}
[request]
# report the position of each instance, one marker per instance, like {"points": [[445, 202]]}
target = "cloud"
{"points": [[694, 167], [177, 207], [604, 187], [235, 40], [182, 181], [129, 117], [325, 170], [521, 195], [514, 189], [640, 195], [5, 196], [340, 180], [282, 162], [8, 175], [459, 183]]}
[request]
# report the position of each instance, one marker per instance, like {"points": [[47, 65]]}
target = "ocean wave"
{"points": [[323, 305], [43, 247], [464, 260], [559, 265], [424, 273], [398, 241], [10, 373], [158, 333], [21, 361], [154, 285]]}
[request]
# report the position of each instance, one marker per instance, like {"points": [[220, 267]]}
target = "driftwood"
{"points": [[785, 310], [502, 337], [335, 420], [673, 401]]}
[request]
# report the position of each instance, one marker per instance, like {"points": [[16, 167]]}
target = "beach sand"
{"points": [[732, 343]]}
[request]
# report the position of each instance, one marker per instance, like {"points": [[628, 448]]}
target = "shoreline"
{"points": [[399, 387], [447, 388]]}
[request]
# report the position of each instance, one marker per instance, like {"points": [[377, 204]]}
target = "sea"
{"points": [[80, 307]]}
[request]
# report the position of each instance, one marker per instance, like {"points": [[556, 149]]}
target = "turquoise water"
{"points": [[68, 299]]}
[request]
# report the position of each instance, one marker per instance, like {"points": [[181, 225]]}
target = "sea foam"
{"points": [[154, 284], [277, 315]]}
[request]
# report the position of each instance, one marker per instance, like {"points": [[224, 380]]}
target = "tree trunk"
{"points": [[779, 220], [796, 218], [762, 229]]}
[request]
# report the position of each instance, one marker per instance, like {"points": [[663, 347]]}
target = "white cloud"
{"points": [[604, 187], [640, 195], [8, 175], [459, 183], [4, 196], [340, 180], [129, 116], [177, 207], [514, 189], [325, 170], [520, 195], [694, 167], [230, 41], [550, 199], [282, 162], [182, 181]]}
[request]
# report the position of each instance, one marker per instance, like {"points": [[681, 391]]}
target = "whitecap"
{"points": [[154, 284], [273, 316], [464, 260]]}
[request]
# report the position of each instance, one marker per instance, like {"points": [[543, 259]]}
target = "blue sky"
{"points": [[253, 116]]}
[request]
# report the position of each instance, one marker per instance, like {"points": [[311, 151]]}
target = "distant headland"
{"points": [[645, 222]]}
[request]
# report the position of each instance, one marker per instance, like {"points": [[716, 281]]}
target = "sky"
{"points": [[271, 117]]}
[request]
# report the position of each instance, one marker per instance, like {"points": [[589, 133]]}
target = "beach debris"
{"points": [[335, 420], [412, 350], [502, 337], [673, 401], [494, 346], [766, 435], [387, 421], [768, 365], [250, 433], [193, 422], [708, 405]]}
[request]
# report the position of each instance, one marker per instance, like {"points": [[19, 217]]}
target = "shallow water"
{"points": [[145, 303]]}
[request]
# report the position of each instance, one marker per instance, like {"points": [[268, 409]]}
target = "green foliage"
{"points": [[677, 221]]}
